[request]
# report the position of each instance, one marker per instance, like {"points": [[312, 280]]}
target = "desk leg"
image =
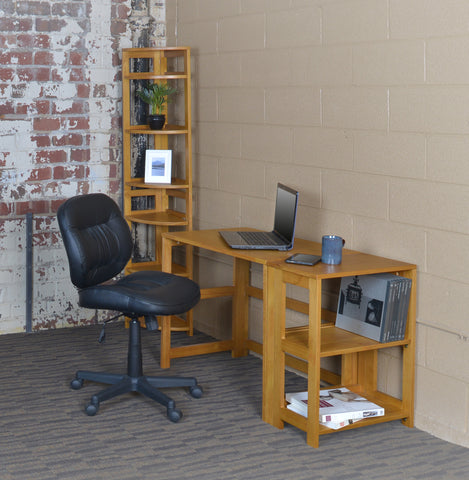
{"points": [[165, 322], [240, 314], [273, 359], [408, 354], [314, 362]]}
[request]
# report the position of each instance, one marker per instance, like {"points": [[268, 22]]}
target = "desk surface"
{"points": [[352, 261]]}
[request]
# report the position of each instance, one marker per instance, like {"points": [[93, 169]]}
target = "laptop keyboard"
{"points": [[260, 238]]}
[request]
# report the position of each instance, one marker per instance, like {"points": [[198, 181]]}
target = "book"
{"points": [[332, 425], [336, 405], [374, 306]]}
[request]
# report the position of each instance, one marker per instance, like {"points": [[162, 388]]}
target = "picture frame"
{"points": [[158, 166]]}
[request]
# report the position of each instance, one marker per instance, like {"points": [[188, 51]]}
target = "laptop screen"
{"points": [[285, 212]]}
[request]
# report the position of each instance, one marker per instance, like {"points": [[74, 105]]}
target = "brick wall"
{"points": [[59, 136]]}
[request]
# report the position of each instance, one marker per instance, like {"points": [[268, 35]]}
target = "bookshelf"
{"points": [[152, 209], [321, 339]]}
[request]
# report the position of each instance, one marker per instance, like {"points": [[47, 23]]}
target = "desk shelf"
{"points": [[310, 343], [334, 341]]}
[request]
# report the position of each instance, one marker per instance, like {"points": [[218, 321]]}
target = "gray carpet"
{"points": [[45, 434]]}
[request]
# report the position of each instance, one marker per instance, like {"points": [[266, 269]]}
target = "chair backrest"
{"points": [[96, 236]]}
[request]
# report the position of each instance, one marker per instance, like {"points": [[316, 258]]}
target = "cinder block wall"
{"points": [[362, 105], [59, 136]]}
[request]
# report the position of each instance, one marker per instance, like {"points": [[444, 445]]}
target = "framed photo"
{"points": [[158, 166]]}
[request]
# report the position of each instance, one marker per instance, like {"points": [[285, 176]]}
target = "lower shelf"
{"points": [[392, 406]]}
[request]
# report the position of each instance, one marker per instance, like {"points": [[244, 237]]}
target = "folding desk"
{"points": [[300, 347]]}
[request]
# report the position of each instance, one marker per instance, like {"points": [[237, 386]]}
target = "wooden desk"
{"points": [[241, 289], [300, 347], [318, 340]]}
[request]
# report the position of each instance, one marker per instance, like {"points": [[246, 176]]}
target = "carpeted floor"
{"points": [[45, 434]]}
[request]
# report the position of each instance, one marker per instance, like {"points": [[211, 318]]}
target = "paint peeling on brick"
{"points": [[60, 129]]}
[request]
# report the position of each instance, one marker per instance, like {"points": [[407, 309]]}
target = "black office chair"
{"points": [[98, 243]]}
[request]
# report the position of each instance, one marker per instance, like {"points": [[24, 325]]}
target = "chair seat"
{"points": [[143, 293]]}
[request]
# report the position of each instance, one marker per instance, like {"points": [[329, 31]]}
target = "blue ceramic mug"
{"points": [[332, 249]]}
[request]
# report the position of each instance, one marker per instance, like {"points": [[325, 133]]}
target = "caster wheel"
{"points": [[174, 414], [196, 391], [76, 383], [91, 409]]}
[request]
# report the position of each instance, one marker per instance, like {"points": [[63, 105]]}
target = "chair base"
{"points": [[135, 381]]}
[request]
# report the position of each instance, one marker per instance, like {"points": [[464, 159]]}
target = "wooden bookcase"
{"points": [[321, 339], [152, 209]]}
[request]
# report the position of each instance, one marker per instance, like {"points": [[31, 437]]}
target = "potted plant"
{"points": [[156, 95]]}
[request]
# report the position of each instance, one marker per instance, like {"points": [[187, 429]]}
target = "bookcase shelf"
{"points": [[317, 339], [152, 209], [334, 341]]}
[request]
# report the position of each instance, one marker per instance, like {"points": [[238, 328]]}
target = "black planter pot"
{"points": [[156, 122]]}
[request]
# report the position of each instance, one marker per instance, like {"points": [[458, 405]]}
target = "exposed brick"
{"points": [[8, 24], [113, 171], [83, 90], [6, 209], [70, 139], [40, 174], [29, 74], [75, 108], [41, 140], [6, 74], [37, 207], [114, 186], [50, 156], [76, 123], [14, 57], [62, 173], [41, 107], [43, 58], [46, 124], [118, 28], [55, 204], [7, 108], [18, 90], [80, 155], [25, 40], [49, 24], [33, 8], [78, 57]]}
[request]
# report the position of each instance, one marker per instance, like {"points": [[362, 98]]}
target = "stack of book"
{"points": [[338, 407], [374, 306]]}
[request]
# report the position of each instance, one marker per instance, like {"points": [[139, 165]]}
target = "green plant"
{"points": [[156, 95]]}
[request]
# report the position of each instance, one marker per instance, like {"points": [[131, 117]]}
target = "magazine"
{"points": [[336, 405], [333, 425]]}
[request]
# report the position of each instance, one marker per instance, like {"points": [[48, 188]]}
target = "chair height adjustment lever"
{"points": [[102, 335]]}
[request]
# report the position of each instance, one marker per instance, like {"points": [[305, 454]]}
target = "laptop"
{"points": [[283, 234]]}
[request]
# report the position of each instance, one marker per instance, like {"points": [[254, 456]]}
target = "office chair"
{"points": [[98, 243]]}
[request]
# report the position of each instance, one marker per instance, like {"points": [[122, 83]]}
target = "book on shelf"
{"points": [[333, 425], [338, 407], [374, 306]]}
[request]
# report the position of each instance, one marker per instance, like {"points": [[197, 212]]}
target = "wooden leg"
{"points": [[240, 314], [165, 346], [273, 359], [408, 355], [314, 362], [165, 322]]}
